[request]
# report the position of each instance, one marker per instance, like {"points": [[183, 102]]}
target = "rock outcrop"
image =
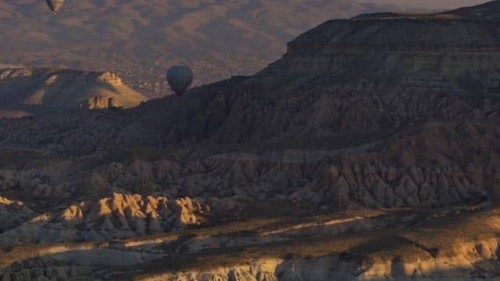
{"points": [[366, 112], [45, 90], [390, 122]]}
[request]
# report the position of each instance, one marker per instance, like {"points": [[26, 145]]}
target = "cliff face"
{"points": [[391, 111], [348, 77], [373, 112], [44, 90], [402, 46], [364, 76], [377, 111]]}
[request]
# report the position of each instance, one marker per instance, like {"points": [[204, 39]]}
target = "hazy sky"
{"points": [[428, 4]]}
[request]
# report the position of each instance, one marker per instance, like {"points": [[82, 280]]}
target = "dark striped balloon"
{"points": [[55, 5], [179, 78]]}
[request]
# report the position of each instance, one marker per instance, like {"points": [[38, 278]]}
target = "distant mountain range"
{"points": [[139, 39]]}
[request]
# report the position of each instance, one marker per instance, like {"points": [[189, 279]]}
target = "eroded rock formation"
{"points": [[46, 90], [397, 112]]}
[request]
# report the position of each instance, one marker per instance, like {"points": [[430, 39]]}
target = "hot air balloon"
{"points": [[179, 78], [55, 5]]}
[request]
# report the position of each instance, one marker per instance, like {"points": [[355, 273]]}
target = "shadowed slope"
{"points": [[358, 116]]}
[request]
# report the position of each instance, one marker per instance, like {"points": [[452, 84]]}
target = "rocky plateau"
{"points": [[25, 91], [369, 151]]}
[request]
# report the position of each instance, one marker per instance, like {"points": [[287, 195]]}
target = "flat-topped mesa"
{"points": [[444, 45], [41, 90], [339, 83]]}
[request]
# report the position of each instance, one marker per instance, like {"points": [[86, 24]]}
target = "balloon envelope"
{"points": [[55, 5], [179, 78]]}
